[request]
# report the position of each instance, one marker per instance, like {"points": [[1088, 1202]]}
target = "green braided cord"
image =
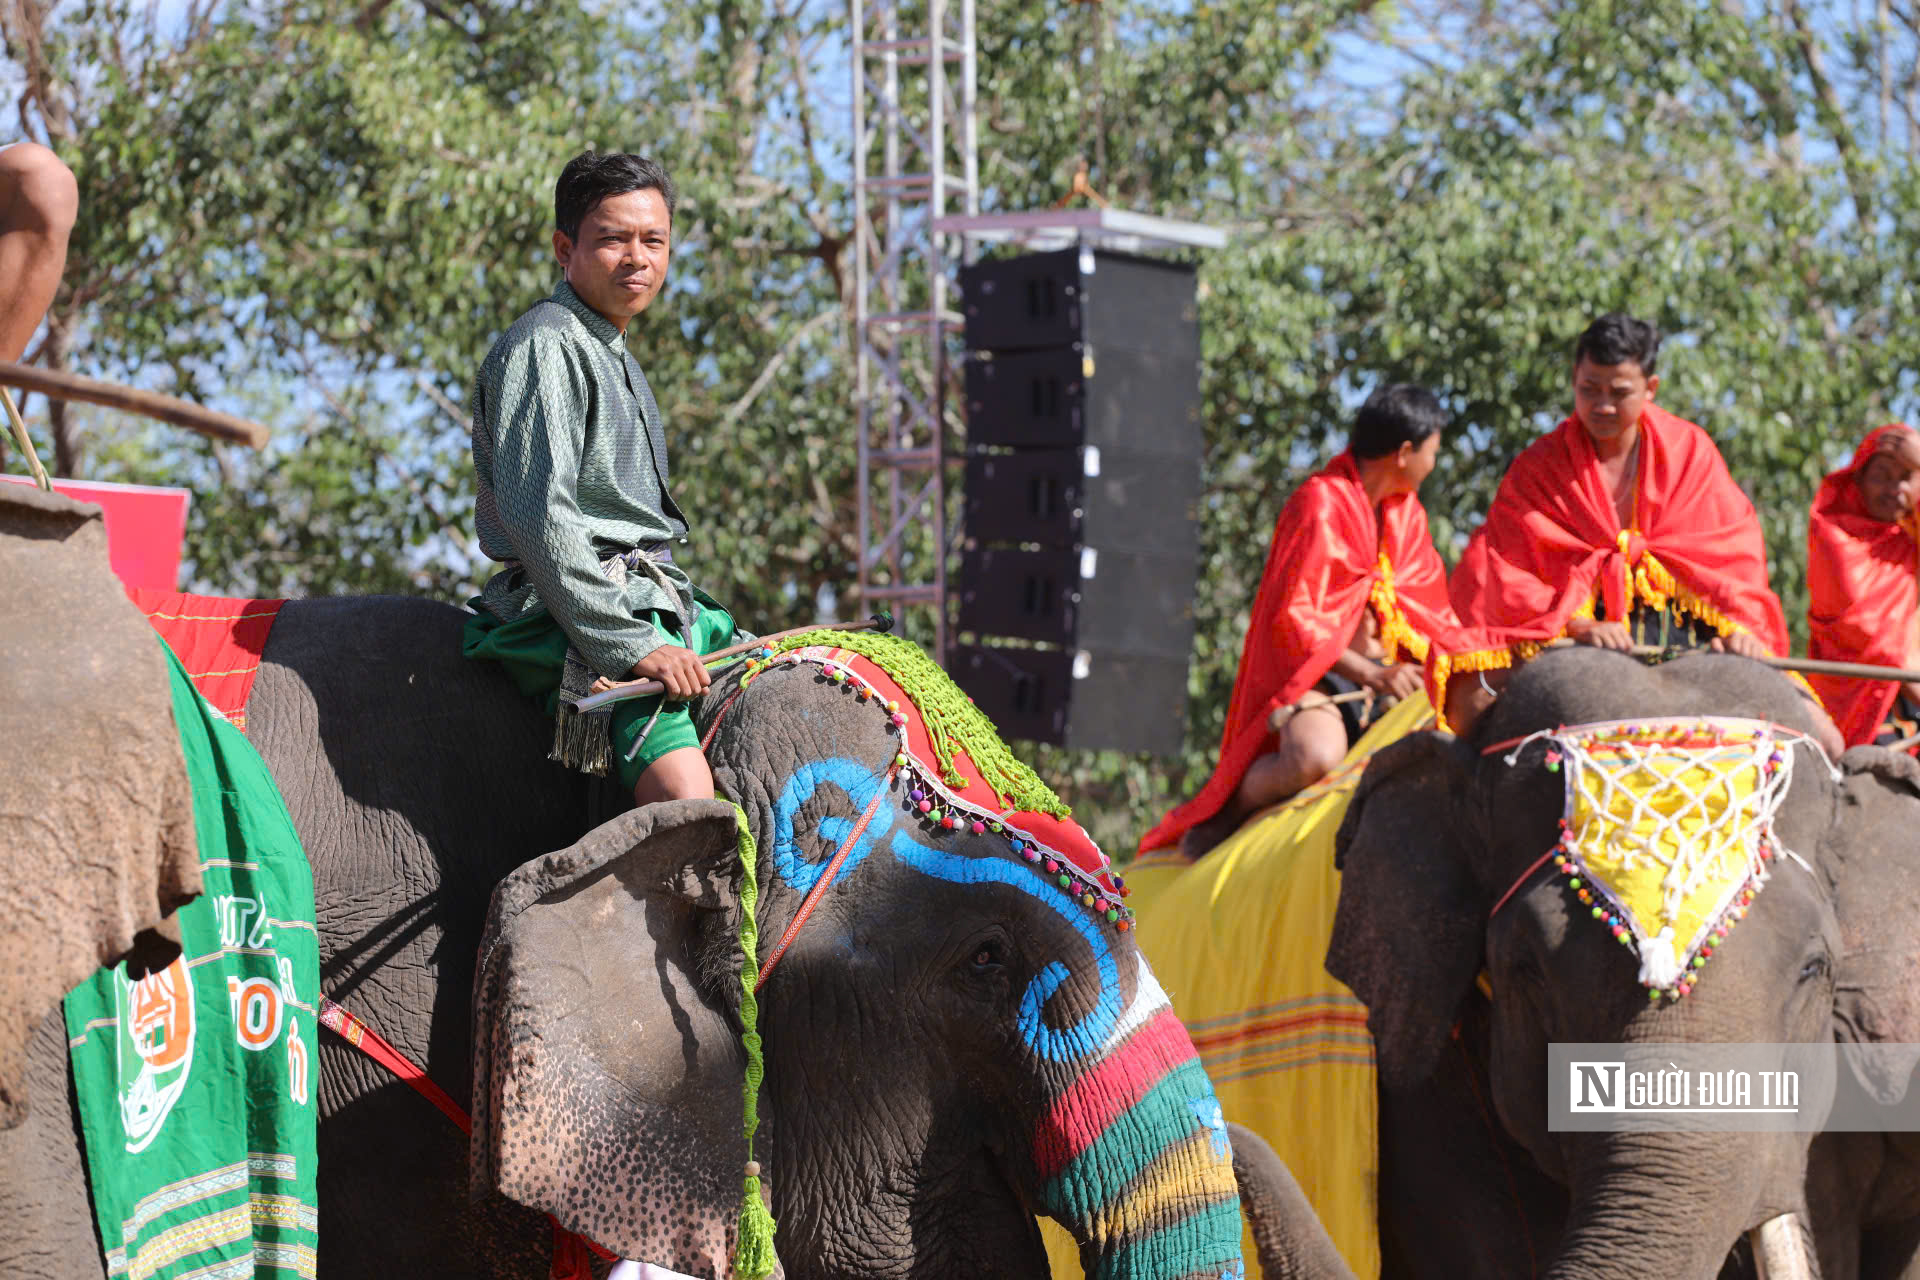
{"points": [[753, 1256], [953, 723]]}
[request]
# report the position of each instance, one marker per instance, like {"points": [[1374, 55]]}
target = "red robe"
{"points": [[1552, 546], [1861, 576], [1329, 559]]}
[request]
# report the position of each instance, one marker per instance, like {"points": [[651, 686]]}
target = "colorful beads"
{"points": [[1018, 845], [1064, 879], [1052, 866], [1031, 855]]}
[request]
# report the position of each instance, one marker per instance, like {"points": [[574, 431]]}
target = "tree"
{"points": [[323, 214]]}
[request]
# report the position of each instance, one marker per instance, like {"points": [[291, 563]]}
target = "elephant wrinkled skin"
{"points": [[924, 1036], [97, 845], [1439, 829]]}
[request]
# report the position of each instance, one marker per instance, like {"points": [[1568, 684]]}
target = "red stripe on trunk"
{"points": [[1102, 1095]]}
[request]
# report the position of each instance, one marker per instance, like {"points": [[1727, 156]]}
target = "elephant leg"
{"points": [[46, 1218], [1291, 1242]]}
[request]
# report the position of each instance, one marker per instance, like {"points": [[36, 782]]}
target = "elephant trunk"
{"points": [[1133, 1158], [1669, 1205]]}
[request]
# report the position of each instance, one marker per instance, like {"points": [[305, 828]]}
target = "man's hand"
{"points": [[1401, 680], [1601, 635], [1741, 642], [678, 669]]}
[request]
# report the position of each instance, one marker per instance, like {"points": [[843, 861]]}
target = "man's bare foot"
{"points": [[1202, 837]]}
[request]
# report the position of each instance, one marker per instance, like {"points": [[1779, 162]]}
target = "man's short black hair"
{"points": [[1403, 413], [1616, 338], [592, 176]]}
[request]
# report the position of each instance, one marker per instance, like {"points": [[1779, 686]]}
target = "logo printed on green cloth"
{"points": [[194, 1084], [154, 1048]]}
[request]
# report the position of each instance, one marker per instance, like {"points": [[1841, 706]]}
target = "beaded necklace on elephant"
{"points": [[1666, 830]]}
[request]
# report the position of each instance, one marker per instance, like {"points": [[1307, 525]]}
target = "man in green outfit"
{"points": [[570, 459]]}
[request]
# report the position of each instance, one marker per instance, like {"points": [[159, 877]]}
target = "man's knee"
{"points": [[37, 191], [1316, 742], [681, 774]]}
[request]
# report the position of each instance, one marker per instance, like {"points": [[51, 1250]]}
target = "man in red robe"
{"points": [[1861, 566], [1353, 593], [1621, 527]]}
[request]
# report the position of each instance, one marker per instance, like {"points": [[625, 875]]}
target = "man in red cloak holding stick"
{"points": [[1861, 567], [1352, 595], [1621, 527]]}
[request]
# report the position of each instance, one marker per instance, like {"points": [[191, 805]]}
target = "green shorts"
{"points": [[533, 649]]}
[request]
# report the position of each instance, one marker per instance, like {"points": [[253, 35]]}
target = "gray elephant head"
{"points": [[1442, 832], [958, 1039], [97, 846]]}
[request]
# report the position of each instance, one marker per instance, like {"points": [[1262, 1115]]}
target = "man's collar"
{"points": [[597, 325]]}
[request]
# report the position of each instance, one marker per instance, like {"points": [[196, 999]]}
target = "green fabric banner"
{"points": [[196, 1085]]}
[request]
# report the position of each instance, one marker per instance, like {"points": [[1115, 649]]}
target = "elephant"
{"points": [[1440, 854], [939, 1040], [94, 860]]}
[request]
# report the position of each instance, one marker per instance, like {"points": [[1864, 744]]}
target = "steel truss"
{"points": [[913, 112]]}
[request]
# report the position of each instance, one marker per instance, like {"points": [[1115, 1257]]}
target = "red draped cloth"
{"points": [[1552, 547], [1329, 560], [1861, 576]]}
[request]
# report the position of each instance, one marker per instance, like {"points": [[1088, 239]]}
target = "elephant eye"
{"points": [[987, 957], [1814, 968]]}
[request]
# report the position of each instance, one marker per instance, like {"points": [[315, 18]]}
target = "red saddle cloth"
{"points": [[218, 640]]}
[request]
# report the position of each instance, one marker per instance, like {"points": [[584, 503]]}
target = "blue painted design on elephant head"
{"points": [[861, 784]]}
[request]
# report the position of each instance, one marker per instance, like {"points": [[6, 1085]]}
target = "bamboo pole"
{"points": [[1806, 666], [148, 404], [25, 442]]}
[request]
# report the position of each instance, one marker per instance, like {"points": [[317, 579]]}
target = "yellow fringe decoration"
{"points": [[1396, 633], [1649, 583], [1466, 664]]}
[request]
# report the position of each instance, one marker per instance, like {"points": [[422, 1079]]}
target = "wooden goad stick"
{"points": [[620, 691]]}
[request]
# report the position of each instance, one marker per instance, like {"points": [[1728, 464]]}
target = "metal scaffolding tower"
{"points": [[913, 105]]}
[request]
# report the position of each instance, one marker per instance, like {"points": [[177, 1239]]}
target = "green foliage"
{"points": [[323, 216]]}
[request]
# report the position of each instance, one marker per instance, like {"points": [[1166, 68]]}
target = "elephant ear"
{"points": [[1407, 935], [606, 1080], [1869, 851]]}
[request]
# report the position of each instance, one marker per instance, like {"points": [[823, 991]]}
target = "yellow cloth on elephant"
{"points": [[1239, 942]]}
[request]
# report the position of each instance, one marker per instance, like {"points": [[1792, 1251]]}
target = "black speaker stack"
{"points": [[1082, 481]]}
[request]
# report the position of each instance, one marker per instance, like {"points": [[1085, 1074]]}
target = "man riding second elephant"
{"points": [[1352, 595], [1621, 527], [571, 478]]}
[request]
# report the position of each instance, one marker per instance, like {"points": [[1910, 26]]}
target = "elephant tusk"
{"points": [[1782, 1249]]}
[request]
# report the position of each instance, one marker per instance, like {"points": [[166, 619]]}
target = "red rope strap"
{"points": [[826, 877], [1524, 877], [569, 1250]]}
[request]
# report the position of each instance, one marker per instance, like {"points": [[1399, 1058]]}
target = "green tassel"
{"points": [[753, 1255]]}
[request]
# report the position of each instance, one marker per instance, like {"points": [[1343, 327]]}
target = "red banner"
{"points": [[146, 527]]}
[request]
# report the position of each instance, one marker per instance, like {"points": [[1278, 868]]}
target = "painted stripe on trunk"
{"points": [[1186, 1177], [1091, 1104], [1098, 1174], [1204, 1245]]}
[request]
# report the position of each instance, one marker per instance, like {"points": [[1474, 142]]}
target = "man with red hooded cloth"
{"points": [[1861, 567], [1621, 527], [1353, 593]]}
